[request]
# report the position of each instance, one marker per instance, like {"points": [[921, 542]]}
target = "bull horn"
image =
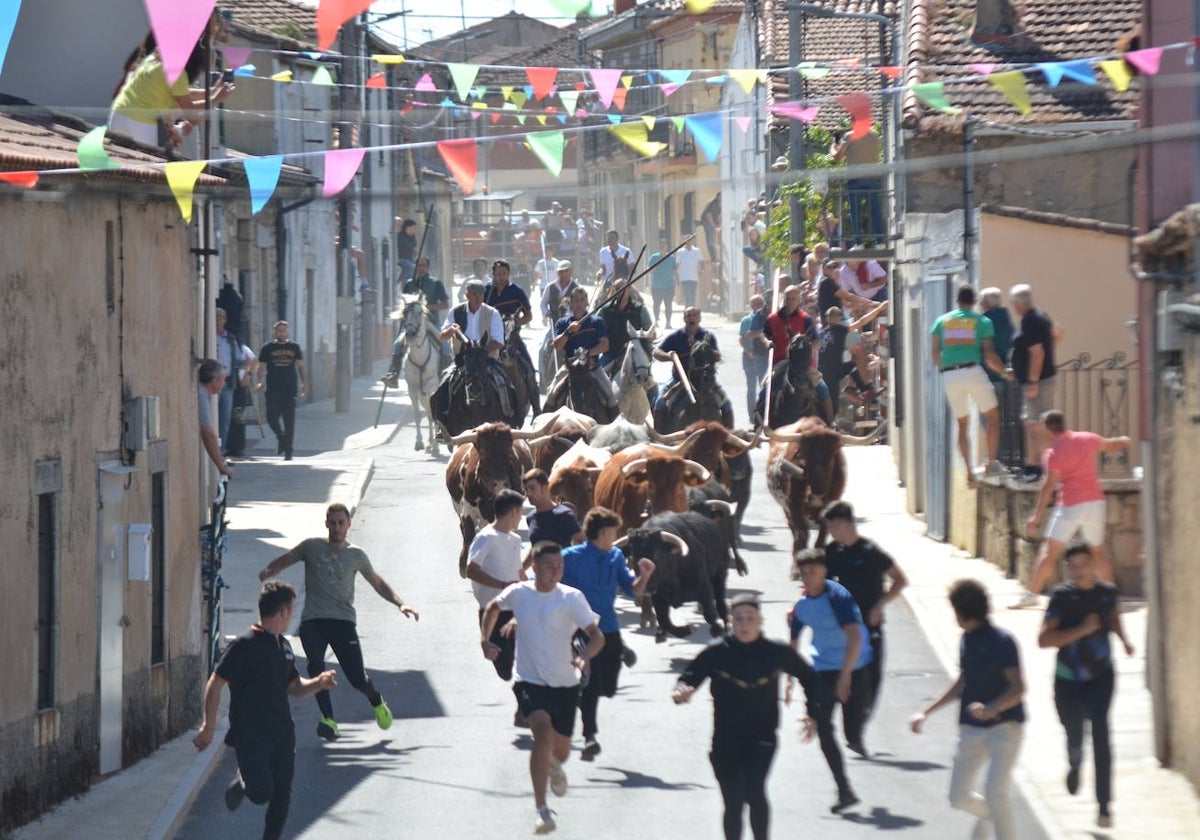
{"points": [[544, 439], [691, 439], [792, 469], [465, 437], [533, 433], [699, 469], [675, 541], [621, 542], [781, 437], [633, 466], [594, 470], [721, 505], [737, 441], [866, 440], [672, 438]]}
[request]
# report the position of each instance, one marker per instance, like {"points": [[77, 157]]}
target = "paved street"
{"points": [[453, 762]]}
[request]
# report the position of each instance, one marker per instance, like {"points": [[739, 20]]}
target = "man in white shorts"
{"points": [[961, 343], [1071, 462]]}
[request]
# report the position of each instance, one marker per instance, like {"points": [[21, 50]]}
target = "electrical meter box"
{"points": [[141, 423], [138, 550]]}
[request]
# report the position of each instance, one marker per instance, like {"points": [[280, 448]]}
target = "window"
{"points": [[47, 598], [158, 568]]}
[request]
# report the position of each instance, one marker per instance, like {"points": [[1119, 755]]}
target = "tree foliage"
{"points": [[817, 195]]}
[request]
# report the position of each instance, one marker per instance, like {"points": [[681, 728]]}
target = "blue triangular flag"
{"points": [[9, 9], [1080, 70], [614, 118], [262, 175], [245, 70], [708, 130], [1053, 72]]}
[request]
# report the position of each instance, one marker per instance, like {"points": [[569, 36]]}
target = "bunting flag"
{"points": [[627, 80], [478, 92], [548, 146], [1012, 84], [9, 9], [377, 82], [235, 57], [461, 160], [1080, 70], [811, 71], [27, 179], [983, 68], [519, 98], [463, 76], [1052, 71], [541, 78], [796, 111], [541, 118], [650, 120], [716, 80], [321, 76], [933, 94], [506, 92], [1118, 72], [1147, 61], [675, 79], [181, 178], [699, 6], [569, 98], [425, 84], [743, 123], [282, 76], [619, 98], [388, 59], [495, 118], [891, 72], [678, 123], [176, 26], [746, 79], [262, 174], [570, 8], [340, 166], [331, 14], [91, 151], [634, 136], [614, 118], [708, 132], [246, 70], [859, 107]]}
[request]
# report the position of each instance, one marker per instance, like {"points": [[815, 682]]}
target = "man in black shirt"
{"points": [[1033, 365], [260, 670], [550, 520], [744, 668], [861, 566], [285, 375]]}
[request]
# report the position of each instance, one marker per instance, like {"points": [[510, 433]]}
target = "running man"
{"points": [[550, 520], [744, 668], [991, 716], [547, 614], [329, 618], [260, 670], [1082, 613], [597, 568]]}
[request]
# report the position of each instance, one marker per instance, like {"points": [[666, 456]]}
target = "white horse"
{"points": [[420, 363], [633, 379]]}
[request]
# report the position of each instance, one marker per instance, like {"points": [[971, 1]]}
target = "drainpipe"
{"points": [[969, 200]]}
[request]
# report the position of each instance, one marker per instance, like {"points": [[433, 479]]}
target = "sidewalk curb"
{"points": [[170, 818], [360, 487]]}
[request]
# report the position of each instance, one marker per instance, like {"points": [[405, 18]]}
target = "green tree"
{"points": [[816, 203]]}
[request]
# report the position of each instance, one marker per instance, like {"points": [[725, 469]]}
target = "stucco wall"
{"points": [[71, 346]]}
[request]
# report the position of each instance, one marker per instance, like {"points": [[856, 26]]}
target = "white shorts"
{"points": [[968, 383], [1088, 517]]}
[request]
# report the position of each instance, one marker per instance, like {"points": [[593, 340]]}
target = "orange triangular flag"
{"points": [[542, 79]]}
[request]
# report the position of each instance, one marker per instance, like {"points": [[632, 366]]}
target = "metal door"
{"points": [[110, 631]]}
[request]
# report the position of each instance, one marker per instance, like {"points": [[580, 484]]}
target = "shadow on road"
{"points": [[905, 764], [883, 819], [633, 779]]}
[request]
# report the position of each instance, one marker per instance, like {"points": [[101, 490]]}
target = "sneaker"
{"points": [[1073, 781], [327, 728], [279, 449], [287, 456], [846, 799], [1028, 599], [235, 793], [519, 720], [558, 780], [629, 657], [383, 715], [544, 823], [858, 747], [995, 468], [591, 749], [1104, 818]]}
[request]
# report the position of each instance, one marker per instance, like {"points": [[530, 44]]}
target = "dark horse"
{"points": [[581, 391], [474, 391], [520, 372], [794, 385], [681, 412]]}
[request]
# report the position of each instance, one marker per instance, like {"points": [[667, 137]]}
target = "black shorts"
{"points": [[558, 702]]}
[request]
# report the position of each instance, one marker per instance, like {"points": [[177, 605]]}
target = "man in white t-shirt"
{"points": [[547, 614], [546, 270], [687, 269], [865, 278], [494, 563]]}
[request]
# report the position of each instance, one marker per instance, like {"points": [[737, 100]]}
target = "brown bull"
{"points": [[644, 480], [806, 470], [709, 444], [488, 459], [559, 430], [573, 477]]}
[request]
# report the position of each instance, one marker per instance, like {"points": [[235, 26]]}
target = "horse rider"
{"points": [[680, 344], [582, 330], [624, 311], [511, 302], [433, 295], [475, 321], [555, 297]]}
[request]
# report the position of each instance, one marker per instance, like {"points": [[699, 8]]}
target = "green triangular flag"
{"points": [[91, 150], [321, 76], [463, 76], [933, 94], [548, 146], [519, 98], [570, 98], [678, 123]]}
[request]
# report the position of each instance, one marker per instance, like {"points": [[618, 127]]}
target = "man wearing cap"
{"points": [[473, 321], [554, 298], [582, 331]]}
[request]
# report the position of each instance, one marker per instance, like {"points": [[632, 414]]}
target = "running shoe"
{"points": [[1073, 781], [235, 793], [858, 747], [1104, 818], [383, 715], [558, 780], [591, 749], [1028, 599], [327, 728], [629, 657], [544, 823], [846, 799]]}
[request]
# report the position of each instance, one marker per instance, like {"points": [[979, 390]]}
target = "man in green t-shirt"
{"points": [[662, 280], [961, 344]]}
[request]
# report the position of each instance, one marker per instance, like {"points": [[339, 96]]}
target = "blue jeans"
{"points": [[407, 267], [224, 413], [869, 190], [755, 368]]}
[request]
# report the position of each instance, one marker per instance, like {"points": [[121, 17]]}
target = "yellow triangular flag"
{"points": [[649, 121], [283, 76], [698, 6], [388, 59], [541, 118], [634, 136], [482, 106], [181, 178], [519, 97], [627, 81], [1118, 72], [1012, 85], [746, 78], [506, 91]]}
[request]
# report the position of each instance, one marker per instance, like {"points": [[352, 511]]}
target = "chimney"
{"points": [[622, 6], [994, 21]]}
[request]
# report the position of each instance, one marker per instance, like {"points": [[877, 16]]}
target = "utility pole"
{"points": [[347, 97], [795, 128]]}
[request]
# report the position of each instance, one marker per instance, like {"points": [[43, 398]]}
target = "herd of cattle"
{"points": [[680, 497]]}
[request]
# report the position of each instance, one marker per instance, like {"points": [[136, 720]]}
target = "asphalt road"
{"points": [[453, 764]]}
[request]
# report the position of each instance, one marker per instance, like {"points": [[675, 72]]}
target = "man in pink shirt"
{"points": [[1071, 462]]}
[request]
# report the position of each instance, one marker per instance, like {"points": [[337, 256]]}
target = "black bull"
{"points": [[691, 554]]}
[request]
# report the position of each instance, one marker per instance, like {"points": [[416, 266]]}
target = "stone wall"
{"points": [[1004, 506]]}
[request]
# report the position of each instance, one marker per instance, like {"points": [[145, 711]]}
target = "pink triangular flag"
{"points": [[177, 28], [983, 68], [235, 57], [340, 166], [743, 123], [425, 84], [796, 111], [1147, 61], [606, 80]]}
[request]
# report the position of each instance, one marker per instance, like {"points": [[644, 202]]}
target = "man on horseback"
{"points": [[436, 300], [679, 345], [512, 303], [625, 311], [581, 331]]}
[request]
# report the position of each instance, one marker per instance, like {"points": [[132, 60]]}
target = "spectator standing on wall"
{"points": [[1033, 364]]}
